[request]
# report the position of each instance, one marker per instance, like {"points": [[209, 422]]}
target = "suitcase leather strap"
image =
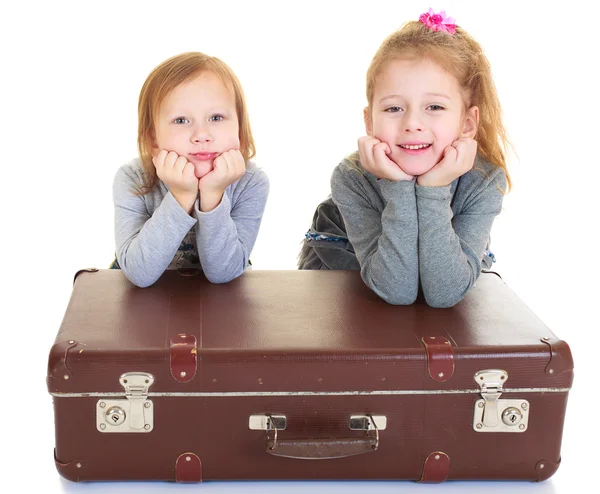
{"points": [[321, 449]]}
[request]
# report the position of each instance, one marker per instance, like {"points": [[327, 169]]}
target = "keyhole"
{"points": [[115, 418], [511, 416]]}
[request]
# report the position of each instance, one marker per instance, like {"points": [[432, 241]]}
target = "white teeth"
{"points": [[418, 146]]}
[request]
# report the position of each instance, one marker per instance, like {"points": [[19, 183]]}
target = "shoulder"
{"points": [[129, 177], [349, 174], [484, 184], [132, 172], [350, 165], [350, 170], [255, 174], [483, 175], [129, 180], [254, 180]]}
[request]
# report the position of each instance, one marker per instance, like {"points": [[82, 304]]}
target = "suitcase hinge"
{"points": [[133, 414], [488, 416]]}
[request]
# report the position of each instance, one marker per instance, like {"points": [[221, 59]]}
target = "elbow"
{"points": [[399, 299], [142, 283], [394, 296], [442, 300], [441, 304], [217, 279], [139, 281], [137, 276], [222, 277]]}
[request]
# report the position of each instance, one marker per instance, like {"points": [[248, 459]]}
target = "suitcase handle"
{"points": [[322, 449]]}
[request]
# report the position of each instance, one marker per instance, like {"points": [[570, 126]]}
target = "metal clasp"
{"points": [[491, 382], [267, 422], [368, 423], [133, 414], [493, 414]]}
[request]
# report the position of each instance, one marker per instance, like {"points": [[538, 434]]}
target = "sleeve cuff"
{"points": [[176, 212], [435, 193]]}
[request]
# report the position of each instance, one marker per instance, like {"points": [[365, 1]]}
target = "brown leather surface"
{"points": [[440, 358], [436, 467], [283, 329], [184, 357], [561, 359], [545, 469], [188, 468], [321, 449], [71, 470], [300, 331]]}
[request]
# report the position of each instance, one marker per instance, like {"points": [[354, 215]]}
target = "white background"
{"points": [[71, 75]]}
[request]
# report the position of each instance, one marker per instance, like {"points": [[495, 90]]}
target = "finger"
{"points": [[188, 171], [171, 159], [366, 147], [450, 155], [159, 160], [238, 159], [179, 164], [219, 162], [379, 152]]}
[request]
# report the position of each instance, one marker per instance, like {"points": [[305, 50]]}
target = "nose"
{"points": [[200, 134], [412, 121]]}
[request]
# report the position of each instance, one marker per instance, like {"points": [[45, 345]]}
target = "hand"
{"points": [[178, 174], [227, 168], [373, 156], [458, 159]]}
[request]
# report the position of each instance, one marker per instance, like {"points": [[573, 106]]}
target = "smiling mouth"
{"points": [[414, 147], [204, 156]]}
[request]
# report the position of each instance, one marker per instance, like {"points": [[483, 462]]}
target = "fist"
{"points": [[374, 158], [227, 168], [457, 160], [176, 172]]}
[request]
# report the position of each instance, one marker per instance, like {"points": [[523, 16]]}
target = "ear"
{"points": [[471, 122], [368, 121], [153, 140]]}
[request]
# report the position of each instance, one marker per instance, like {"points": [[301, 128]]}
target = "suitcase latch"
{"points": [[135, 413], [267, 422], [493, 414]]}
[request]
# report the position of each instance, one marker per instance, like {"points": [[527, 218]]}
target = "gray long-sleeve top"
{"points": [[406, 235], [154, 233]]}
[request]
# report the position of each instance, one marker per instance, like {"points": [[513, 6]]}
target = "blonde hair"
{"points": [[460, 55], [166, 77]]}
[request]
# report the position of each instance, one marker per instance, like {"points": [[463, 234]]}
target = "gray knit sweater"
{"points": [[407, 237], [154, 233]]}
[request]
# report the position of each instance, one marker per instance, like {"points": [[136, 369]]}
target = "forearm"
{"points": [[385, 241], [145, 247], [448, 265], [226, 235], [209, 200], [391, 269]]}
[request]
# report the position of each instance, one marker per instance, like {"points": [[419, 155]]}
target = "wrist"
{"points": [[425, 181], [186, 200], [210, 199]]}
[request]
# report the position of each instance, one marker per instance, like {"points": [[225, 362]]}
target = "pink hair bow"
{"points": [[438, 22]]}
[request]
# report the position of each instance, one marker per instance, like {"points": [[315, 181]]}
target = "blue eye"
{"points": [[216, 118], [181, 120], [393, 109], [435, 107]]}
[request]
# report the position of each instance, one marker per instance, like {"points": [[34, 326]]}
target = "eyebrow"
{"points": [[391, 96]]}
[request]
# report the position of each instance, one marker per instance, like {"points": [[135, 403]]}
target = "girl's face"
{"points": [[418, 110], [198, 120]]}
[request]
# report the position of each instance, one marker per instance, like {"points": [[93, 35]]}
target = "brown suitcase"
{"points": [[189, 381]]}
